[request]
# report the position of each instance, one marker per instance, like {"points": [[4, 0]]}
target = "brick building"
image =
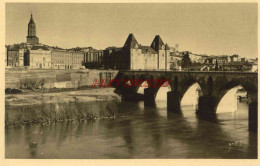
{"points": [[134, 56]]}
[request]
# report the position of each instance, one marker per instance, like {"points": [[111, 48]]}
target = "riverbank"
{"points": [[38, 97], [32, 107]]}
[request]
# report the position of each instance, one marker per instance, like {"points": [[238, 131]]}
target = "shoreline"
{"points": [[67, 96]]}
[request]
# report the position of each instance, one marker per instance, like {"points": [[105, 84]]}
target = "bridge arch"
{"points": [[140, 88], [226, 95], [139, 83], [161, 93], [191, 95], [228, 102]]}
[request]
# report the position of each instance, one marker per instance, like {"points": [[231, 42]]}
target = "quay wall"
{"points": [[57, 78]]}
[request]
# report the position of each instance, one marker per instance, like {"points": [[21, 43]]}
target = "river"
{"points": [[140, 133]]}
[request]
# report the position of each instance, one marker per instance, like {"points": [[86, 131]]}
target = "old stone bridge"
{"points": [[214, 85]]}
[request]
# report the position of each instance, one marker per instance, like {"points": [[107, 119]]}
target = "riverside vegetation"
{"points": [[60, 112]]}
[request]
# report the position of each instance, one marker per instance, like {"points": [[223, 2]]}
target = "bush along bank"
{"points": [[60, 112]]}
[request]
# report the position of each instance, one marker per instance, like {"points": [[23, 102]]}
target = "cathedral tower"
{"points": [[31, 35]]}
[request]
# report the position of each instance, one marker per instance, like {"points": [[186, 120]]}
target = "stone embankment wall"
{"points": [[57, 78]]}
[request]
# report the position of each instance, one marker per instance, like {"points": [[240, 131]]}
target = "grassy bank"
{"points": [[46, 113], [68, 96]]}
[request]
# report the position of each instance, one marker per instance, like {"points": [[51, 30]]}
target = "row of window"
{"points": [[43, 64], [67, 61]]}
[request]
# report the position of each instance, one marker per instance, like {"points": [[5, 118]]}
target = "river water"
{"points": [[141, 133]]}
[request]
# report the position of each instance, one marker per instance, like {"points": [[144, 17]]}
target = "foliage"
{"points": [[186, 62], [32, 83], [59, 112]]}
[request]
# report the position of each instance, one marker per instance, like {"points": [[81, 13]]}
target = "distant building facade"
{"points": [[175, 61], [93, 58], [13, 57], [64, 59], [233, 58], [39, 57], [77, 60], [61, 59]]}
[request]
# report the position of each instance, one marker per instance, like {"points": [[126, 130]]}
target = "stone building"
{"points": [[222, 59], [61, 59], [15, 56], [38, 57], [134, 56], [66, 59], [175, 61], [77, 59]]}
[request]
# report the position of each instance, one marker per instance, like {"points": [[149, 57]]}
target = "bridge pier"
{"points": [[252, 117], [149, 97], [134, 97], [173, 101], [206, 105]]}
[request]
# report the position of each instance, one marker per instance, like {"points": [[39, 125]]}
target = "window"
{"points": [[163, 47]]}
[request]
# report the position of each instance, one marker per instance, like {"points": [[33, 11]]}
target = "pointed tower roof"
{"points": [[167, 47], [157, 43], [31, 20], [131, 41]]}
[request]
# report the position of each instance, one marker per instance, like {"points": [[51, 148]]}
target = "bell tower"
{"points": [[31, 34]]}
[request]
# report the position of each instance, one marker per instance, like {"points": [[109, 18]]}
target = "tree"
{"points": [[42, 82], [186, 62]]}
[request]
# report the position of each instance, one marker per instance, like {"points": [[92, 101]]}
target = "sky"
{"points": [[213, 29]]}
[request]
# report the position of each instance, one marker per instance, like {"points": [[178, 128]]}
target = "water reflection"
{"points": [[143, 132]]}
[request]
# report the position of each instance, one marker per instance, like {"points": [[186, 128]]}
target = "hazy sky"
{"points": [[199, 28]]}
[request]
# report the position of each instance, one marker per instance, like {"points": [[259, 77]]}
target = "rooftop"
{"points": [[147, 48], [39, 47]]}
